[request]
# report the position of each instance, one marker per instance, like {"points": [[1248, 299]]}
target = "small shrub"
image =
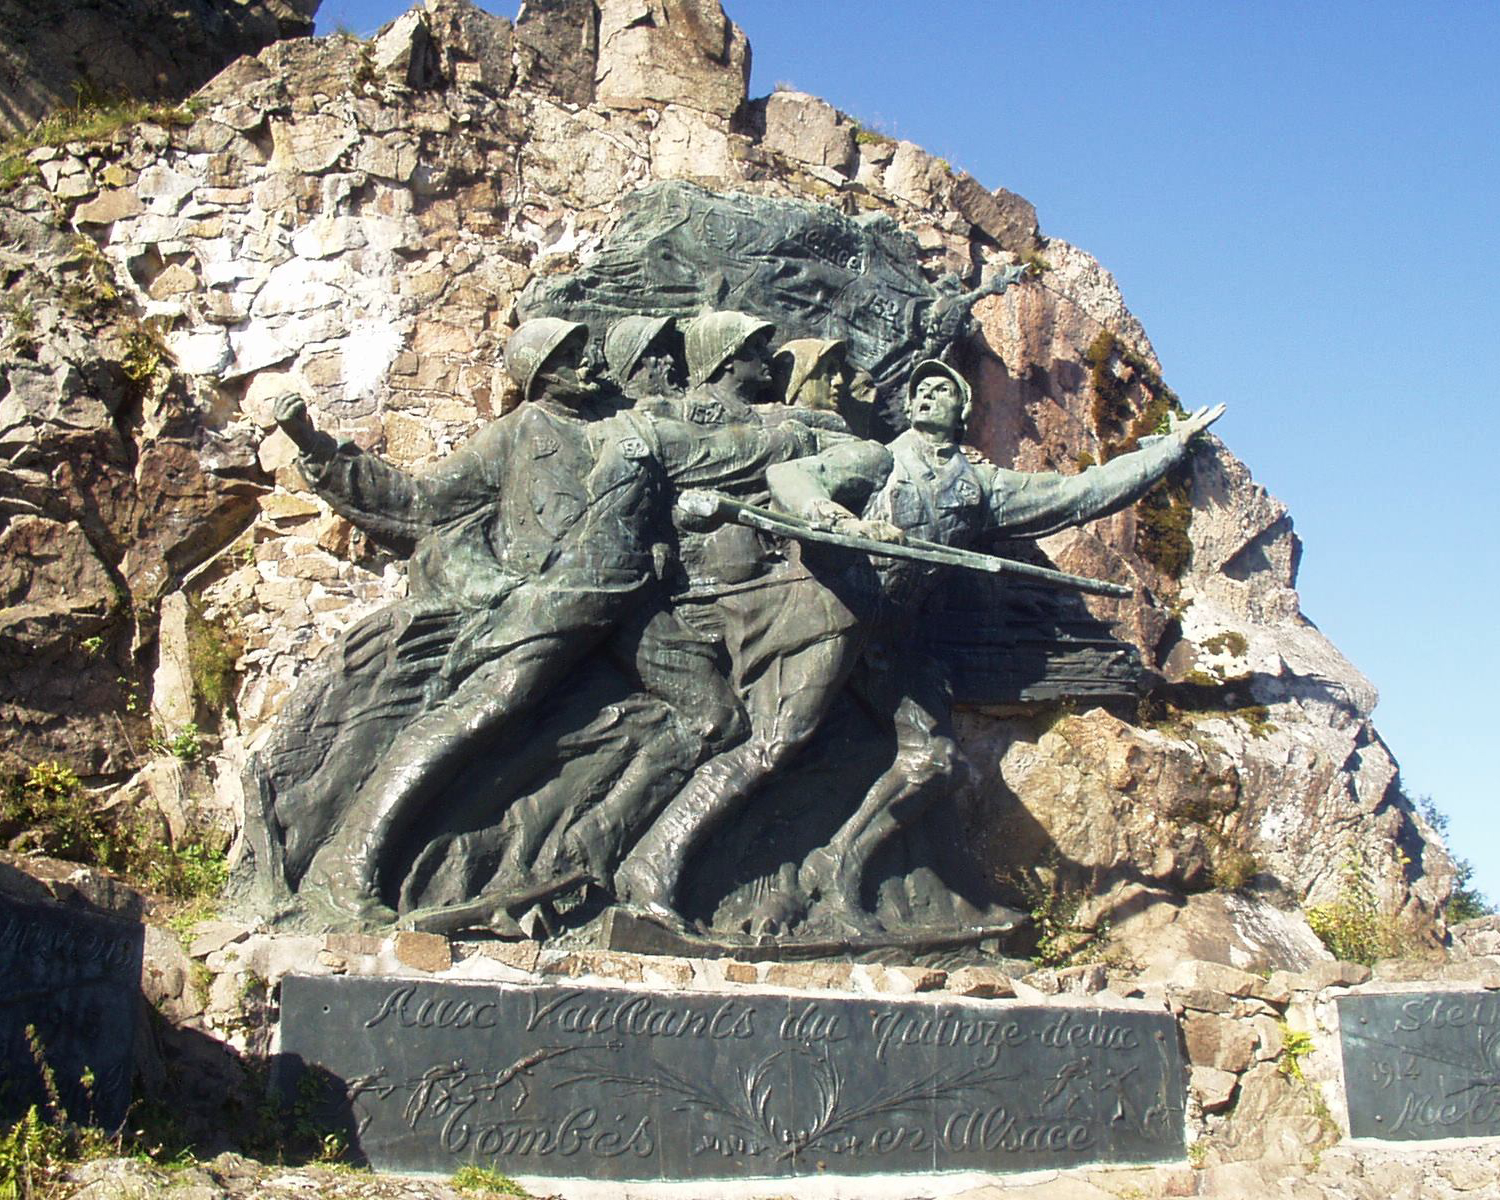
{"points": [[93, 119], [33, 1155], [1162, 519], [1296, 1045], [15, 169], [486, 1181], [1060, 939], [19, 319], [871, 137], [185, 743], [98, 286], [37, 1150], [1233, 869], [47, 809], [194, 870], [1035, 264], [1258, 718], [1353, 927], [213, 649], [145, 353], [1466, 901]]}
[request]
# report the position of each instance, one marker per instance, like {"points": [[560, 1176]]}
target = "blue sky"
{"points": [[1302, 205]]}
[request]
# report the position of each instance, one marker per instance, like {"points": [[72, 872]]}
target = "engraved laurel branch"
{"points": [[755, 1113]]}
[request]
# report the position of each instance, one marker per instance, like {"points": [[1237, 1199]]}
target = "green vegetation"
{"points": [[213, 649], [19, 331], [1164, 514], [146, 354], [47, 809], [1199, 698], [1352, 926], [1233, 868], [185, 743], [1295, 1046], [1257, 717], [486, 1181], [45, 1142], [1228, 642], [1162, 519], [15, 169], [1035, 263], [97, 288], [1060, 939], [91, 119], [871, 137], [1230, 865]]}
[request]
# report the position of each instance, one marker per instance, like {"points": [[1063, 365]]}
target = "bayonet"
{"points": [[705, 505]]}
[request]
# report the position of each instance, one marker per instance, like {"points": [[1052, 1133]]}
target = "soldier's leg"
{"points": [[670, 657], [926, 756], [793, 646], [543, 641]]}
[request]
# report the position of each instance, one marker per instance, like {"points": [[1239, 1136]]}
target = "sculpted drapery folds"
{"points": [[590, 691]]}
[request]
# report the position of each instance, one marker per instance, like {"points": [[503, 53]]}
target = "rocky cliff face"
{"points": [[354, 220], [55, 54]]}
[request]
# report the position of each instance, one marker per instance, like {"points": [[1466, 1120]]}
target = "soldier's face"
{"points": [[654, 374], [564, 376], [826, 386], [750, 368], [937, 407]]}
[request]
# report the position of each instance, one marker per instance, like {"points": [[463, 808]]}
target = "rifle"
{"points": [[705, 505]]}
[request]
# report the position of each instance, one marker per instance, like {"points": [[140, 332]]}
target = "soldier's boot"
{"points": [[649, 877]]}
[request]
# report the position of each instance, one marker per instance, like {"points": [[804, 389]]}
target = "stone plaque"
{"points": [[74, 978], [1422, 1064], [614, 1083]]}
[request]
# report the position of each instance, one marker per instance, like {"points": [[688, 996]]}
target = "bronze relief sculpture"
{"points": [[648, 616]]}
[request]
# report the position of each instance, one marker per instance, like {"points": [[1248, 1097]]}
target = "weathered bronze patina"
{"points": [[657, 648]]}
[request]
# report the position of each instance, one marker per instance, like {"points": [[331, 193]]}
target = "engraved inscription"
{"points": [[73, 978], [622, 1083], [1422, 1066]]}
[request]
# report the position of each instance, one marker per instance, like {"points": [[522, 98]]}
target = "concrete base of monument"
{"points": [[1069, 1184], [1266, 1095], [641, 933]]}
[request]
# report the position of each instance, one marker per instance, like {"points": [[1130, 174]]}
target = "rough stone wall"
{"points": [[57, 52], [352, 221]]}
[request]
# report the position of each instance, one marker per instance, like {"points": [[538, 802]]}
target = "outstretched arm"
{"points": [[830, 488], [1027, 505], [384, 501]]}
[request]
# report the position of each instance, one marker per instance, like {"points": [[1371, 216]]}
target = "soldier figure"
{"points": [[925, 486], [533, 543], [641, 355], [815, 374], [542, 529]]}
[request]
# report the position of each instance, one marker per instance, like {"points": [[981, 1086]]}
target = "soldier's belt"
{"points": [[705, 505]]}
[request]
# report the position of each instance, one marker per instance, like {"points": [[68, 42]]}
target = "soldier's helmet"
{"points": [[714, 338], [932, 366], [628, 339], [796, 361], [534, 342]]}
